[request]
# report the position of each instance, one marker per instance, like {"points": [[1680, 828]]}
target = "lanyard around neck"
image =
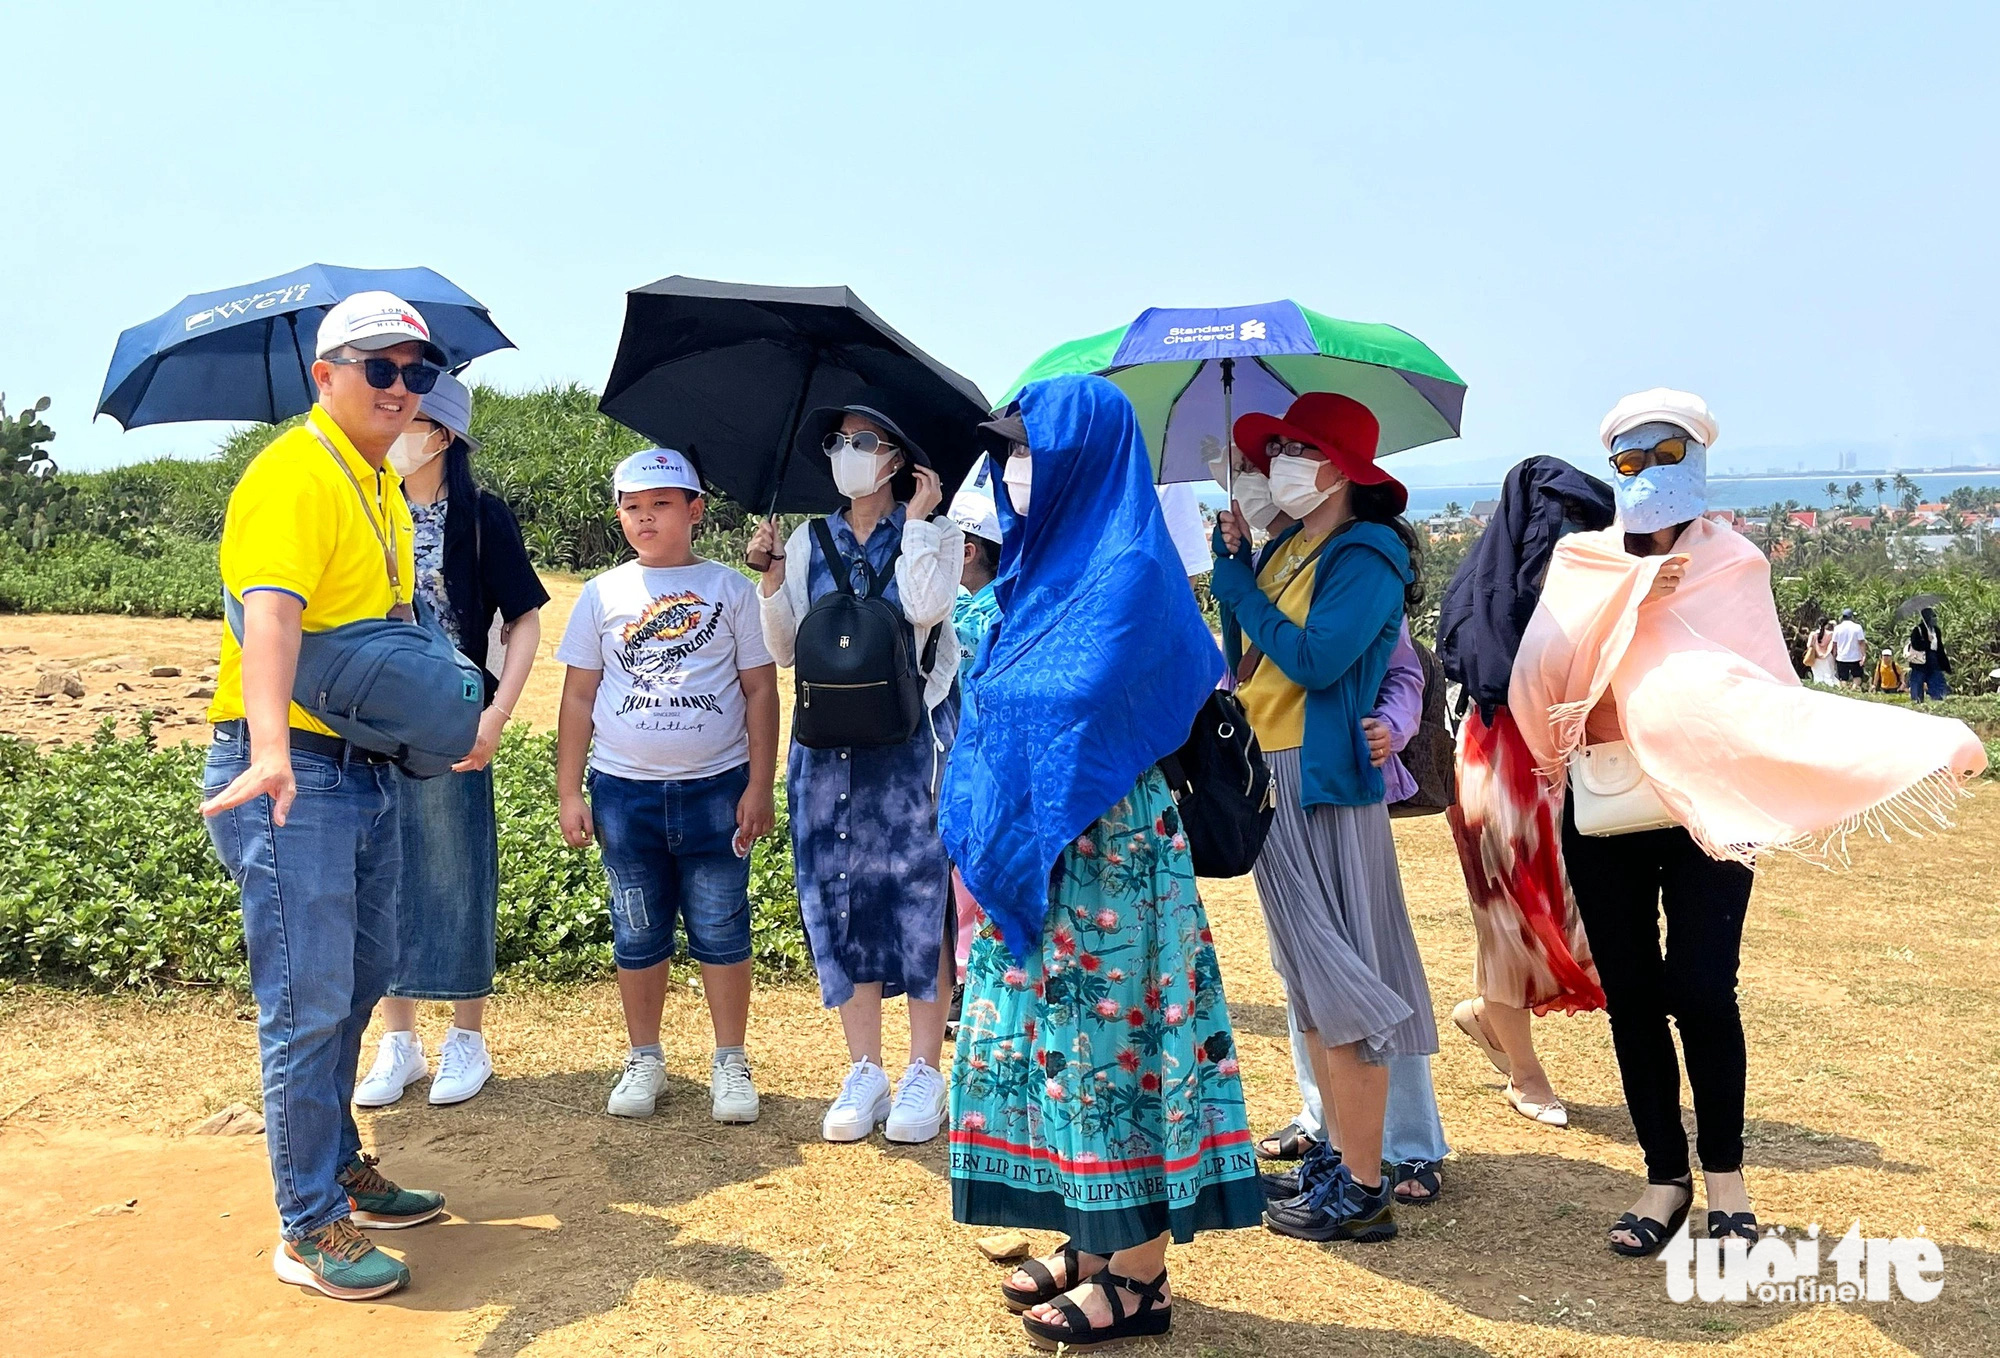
{"points": [[398, 607]]}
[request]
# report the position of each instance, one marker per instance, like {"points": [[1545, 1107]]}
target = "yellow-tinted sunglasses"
{"points": [[1665, 453]]}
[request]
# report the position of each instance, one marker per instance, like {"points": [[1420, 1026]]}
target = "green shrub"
{"points": [[168, 576], [107, 880]]}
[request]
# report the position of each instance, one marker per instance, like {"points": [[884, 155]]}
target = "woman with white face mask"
{"points": [[471, 569], [874, 886], [1324, 609]]}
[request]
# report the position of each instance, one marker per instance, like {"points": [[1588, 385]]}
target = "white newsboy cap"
{"points": [[1682, 408]]}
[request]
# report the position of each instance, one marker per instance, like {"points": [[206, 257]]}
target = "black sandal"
{"points": [[1153, 1318], [1650, 1233], [1293, 1142], [1742, 1225], [1046, 1288], [1422, 1173]]}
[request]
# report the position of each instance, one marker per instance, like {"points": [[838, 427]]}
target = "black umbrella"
{"points": [[725, 372], [1912, 607]]}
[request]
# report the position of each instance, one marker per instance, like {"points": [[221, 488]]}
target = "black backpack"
{"points": [[1223, 788], [1431, 757], [858, 681]]}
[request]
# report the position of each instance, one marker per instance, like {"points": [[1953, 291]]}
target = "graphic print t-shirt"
{"points": [[670, 641]]}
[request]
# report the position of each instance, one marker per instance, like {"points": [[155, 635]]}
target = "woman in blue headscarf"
{"points": [[1095, 1087]]}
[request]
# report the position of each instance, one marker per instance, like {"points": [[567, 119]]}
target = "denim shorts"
{"points": [[669, 852]]}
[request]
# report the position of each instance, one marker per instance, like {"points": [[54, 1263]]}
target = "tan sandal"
{"points": [[1465, 1014]]}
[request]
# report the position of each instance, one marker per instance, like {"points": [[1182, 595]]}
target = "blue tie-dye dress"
{"points": [[874, 887]]}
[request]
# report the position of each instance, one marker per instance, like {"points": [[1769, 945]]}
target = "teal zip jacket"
{"points": [[1339, 657]]}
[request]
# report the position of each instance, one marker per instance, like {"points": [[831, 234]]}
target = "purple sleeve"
{"points": [[1400, 703]]}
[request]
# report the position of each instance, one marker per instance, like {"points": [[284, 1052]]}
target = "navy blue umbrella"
{"points": [[246, 353]]}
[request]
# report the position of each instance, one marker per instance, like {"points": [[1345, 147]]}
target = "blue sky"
{"points": [[1790, 209]]}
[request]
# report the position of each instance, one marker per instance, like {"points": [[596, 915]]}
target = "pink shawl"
{"points": [[1740, 754]]}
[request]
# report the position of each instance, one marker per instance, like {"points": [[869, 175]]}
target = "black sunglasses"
{"points": [[418, 378]]}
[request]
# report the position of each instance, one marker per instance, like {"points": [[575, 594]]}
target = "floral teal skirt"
{"points": [[1095, 1089]]}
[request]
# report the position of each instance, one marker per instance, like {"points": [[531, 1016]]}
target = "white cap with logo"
{"points": [[374, 320], [972, 509], [655, 469]]}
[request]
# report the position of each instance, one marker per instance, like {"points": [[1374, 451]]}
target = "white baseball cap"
{"points": [[1683, 409], [972, 509], [655, 469], [375, 320]]}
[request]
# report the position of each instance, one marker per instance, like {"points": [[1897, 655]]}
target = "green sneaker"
{"points": [[380, 1205], [341, 1262]]}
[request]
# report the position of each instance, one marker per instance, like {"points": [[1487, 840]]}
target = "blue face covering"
{"points": [[1660, 497]]}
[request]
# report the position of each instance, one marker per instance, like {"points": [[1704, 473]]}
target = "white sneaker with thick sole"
{"points": [[731, 1092], [862, 1103], [399, 1063], [918, 1111], [639, 1088], [464, 1066]]}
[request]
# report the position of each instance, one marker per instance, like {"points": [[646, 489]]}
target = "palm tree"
{"points": [[1451, 509], [1881, 488], [1832, 492], [1855, 490]]}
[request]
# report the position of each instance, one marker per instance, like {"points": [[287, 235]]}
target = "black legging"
{"points": [[1621, 882]]}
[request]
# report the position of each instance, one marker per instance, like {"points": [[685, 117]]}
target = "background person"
{"points": [[1819, 654], [1928, 661], [1888, 675], [1661, 632], [470, 567], [317, 535], [672, 699], [874, 886], [1095, 1088], [1324, 613], [1850, 649]]}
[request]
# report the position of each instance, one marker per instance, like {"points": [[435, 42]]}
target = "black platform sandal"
{"points": [[1293, 1143], [1742, 1225], [1651, 1234], [1422, 1173], [1153, 1318], [1046, 1287]]}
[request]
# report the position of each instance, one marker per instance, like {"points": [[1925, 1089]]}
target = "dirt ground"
{"points": [[1869, 998]]}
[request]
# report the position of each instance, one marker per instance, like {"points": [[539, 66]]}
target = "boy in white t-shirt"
{"points": [[673, 698]]}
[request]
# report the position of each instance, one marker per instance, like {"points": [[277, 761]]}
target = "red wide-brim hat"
{"points": [[1339, 426]]}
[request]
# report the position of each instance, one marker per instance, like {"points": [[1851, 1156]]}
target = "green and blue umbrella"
{"points": [[1190, 371]]}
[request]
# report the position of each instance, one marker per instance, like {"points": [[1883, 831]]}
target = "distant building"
{"points": [[1484, 510], [1860, 523], [1807, 519]]}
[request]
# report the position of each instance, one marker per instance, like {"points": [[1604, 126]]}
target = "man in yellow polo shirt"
{"points": [[318, 535]]}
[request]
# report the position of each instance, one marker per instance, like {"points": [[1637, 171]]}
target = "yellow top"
{"points": [[1275, 705], [296, 524]]}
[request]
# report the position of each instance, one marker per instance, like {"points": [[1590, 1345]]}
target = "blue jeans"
{"points": [[319, 923], [669, 851], [1926, 680], [451, 888], [1411, 1128]]}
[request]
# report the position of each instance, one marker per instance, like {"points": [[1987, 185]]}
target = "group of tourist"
{"points": [[987, 690], [1836, 655]]}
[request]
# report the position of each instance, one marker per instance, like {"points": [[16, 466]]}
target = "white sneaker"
{"points": [[919, 1108], [463, 1067], [639, 1088], [862, 1102], [399, 1063], [732, 1094]]}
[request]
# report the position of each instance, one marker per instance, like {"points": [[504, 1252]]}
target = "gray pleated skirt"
{"points": [[1339, 931]]}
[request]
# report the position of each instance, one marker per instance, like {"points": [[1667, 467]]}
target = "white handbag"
{"points": [[1610, 795]]}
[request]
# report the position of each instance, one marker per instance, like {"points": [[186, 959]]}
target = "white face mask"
{"points": [[1294, 488], [414, 451], [1020, 479], [856, 474], [1253, 496]]}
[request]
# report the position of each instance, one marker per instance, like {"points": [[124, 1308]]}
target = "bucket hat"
{"points": [[1339, 426]]}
